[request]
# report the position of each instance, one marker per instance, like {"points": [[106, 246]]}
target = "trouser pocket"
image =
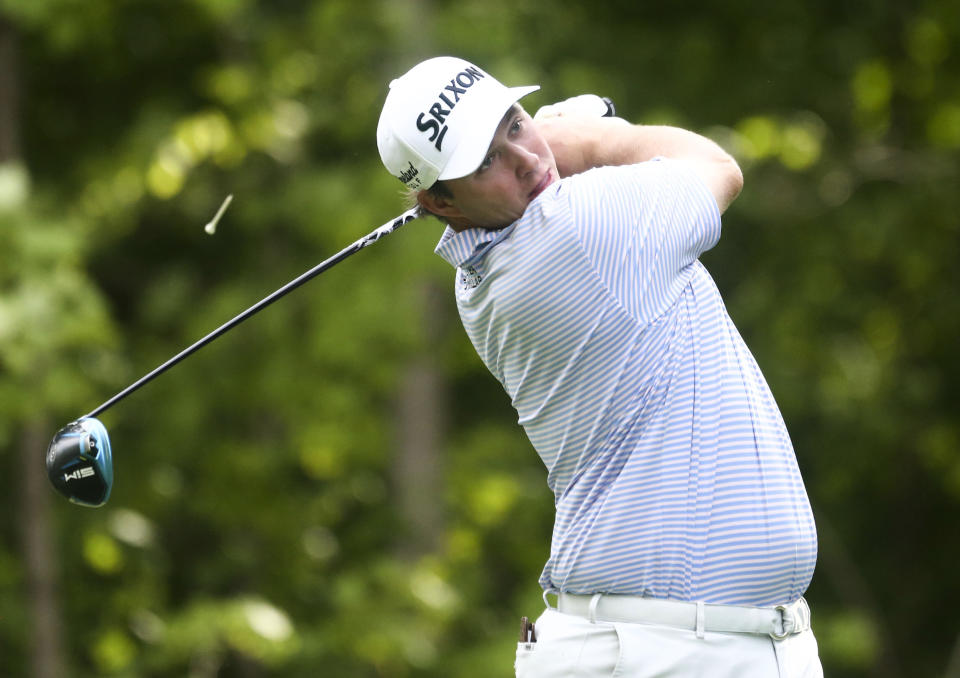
{"points": [[523, 664], [569, 646]]}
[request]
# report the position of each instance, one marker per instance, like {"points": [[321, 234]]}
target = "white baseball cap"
{"points": [[439, 119]]}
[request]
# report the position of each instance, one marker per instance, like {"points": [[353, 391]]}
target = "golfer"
{"points": [[683, 540]]}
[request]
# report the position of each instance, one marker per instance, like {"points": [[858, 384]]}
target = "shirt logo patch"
{"points": [[470, 277]]}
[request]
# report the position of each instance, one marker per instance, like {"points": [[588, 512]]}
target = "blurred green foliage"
{"points": [[254, 528]]}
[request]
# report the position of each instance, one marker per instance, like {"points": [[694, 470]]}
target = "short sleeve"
{"points": [[642, 227]]}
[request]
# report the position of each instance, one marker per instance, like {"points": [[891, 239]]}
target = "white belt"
{"points": [[777, 622]]}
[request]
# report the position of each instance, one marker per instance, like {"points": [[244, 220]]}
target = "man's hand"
{"points": [[574, 130], [576, 140]]}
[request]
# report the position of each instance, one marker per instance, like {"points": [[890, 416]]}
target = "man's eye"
{"points": [[486, 163], [517, 124]]}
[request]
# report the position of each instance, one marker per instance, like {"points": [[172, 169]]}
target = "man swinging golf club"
{"points": [[683, 540]]}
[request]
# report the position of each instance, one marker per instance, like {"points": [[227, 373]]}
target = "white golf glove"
{"points": [[588, 105]]}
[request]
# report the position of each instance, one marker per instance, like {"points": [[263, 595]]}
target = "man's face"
{"points": [[518, 166]]}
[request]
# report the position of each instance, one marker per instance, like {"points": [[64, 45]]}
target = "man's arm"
{"points": [[580, 143]]}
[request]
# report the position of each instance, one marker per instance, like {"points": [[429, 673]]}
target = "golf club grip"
{"points": [[353, 248]]}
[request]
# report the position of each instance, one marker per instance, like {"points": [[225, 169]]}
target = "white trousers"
{"points": [[571, 646]]}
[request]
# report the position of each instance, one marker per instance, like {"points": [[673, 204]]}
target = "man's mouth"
{"points": [[542, 185]]}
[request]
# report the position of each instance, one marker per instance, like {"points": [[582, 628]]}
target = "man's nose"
{"points": [[524, 159]]}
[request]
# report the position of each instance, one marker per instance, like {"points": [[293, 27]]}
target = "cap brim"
{"points": [[472, 149]]}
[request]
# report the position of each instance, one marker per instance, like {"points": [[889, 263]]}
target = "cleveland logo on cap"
{"points": [[409, 174], [435, 124]]}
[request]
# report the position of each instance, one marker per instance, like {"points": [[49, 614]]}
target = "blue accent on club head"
{"points": [[102, 456]]}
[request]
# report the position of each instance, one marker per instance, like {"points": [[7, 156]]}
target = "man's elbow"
{"points": [[730, 184]]}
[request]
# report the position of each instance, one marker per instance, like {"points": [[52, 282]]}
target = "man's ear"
{"points": [[439, 205]]}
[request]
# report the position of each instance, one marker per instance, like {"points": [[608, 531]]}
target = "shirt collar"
{"points": [[457, 246]]}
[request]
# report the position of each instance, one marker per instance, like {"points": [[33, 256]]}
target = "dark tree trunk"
{"points": [[39, 558], [418, 462], [45, 623]]}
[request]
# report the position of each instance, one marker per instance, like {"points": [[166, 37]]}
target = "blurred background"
{"points": [[338, 487]]}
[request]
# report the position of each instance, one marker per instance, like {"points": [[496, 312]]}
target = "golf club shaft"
{"points": [[368, 239]]}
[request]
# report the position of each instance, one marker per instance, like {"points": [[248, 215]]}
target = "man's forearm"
{"points": [[582, 143], [625, 144]]}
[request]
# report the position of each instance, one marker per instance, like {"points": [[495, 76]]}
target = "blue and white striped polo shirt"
{"points": [[672, 470]]}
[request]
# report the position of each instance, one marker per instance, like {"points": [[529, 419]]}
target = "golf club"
{"points": [[79, 458]]}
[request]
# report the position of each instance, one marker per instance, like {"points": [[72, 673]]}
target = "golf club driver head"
{"points": [[80, 463]]}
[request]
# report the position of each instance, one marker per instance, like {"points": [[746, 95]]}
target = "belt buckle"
{"points": [[781, 610]]}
